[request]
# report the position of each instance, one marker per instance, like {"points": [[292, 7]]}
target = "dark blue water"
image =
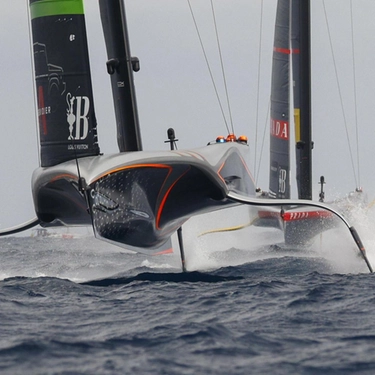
{"points": [[81, 307]]}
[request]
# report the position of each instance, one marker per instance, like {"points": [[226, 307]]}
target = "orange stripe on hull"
{"points": [[167, 251], [162, 204], [64, 176]]}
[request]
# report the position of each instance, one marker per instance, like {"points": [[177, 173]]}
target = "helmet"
{"points": [[231, 138], [242, 139], [220, 139]]}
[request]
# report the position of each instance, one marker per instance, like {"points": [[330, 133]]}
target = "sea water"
{"points": [[81, 306]]}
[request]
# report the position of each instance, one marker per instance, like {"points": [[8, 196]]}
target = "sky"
{"points": [[174, 88]]}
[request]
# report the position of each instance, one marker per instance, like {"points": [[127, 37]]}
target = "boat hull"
{"points": [[139, 199], [300, 224]]}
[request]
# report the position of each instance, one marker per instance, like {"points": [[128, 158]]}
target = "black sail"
{"points": [[67, 123], [280, 128]]}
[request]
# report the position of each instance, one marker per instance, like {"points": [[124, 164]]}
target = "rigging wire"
{"points": [[258, 91], [340, 95], [263, 142], [355, 94], [222, 65], [208, 66]]}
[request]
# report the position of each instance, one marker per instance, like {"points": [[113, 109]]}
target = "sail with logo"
{"points": [[67, 123], [279, 179]]}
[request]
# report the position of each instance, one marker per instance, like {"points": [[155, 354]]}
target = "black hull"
{"points": [[140, 199]]}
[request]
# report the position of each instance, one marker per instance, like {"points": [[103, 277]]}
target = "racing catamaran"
{"points": [[291, 91], [133, 198]]}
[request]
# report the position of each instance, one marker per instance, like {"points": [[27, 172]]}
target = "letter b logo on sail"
{"points": [[282, 181], [77, 116]]}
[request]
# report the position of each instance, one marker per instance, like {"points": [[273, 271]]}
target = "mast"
{"points": [[301, 47], [120, 66]]}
